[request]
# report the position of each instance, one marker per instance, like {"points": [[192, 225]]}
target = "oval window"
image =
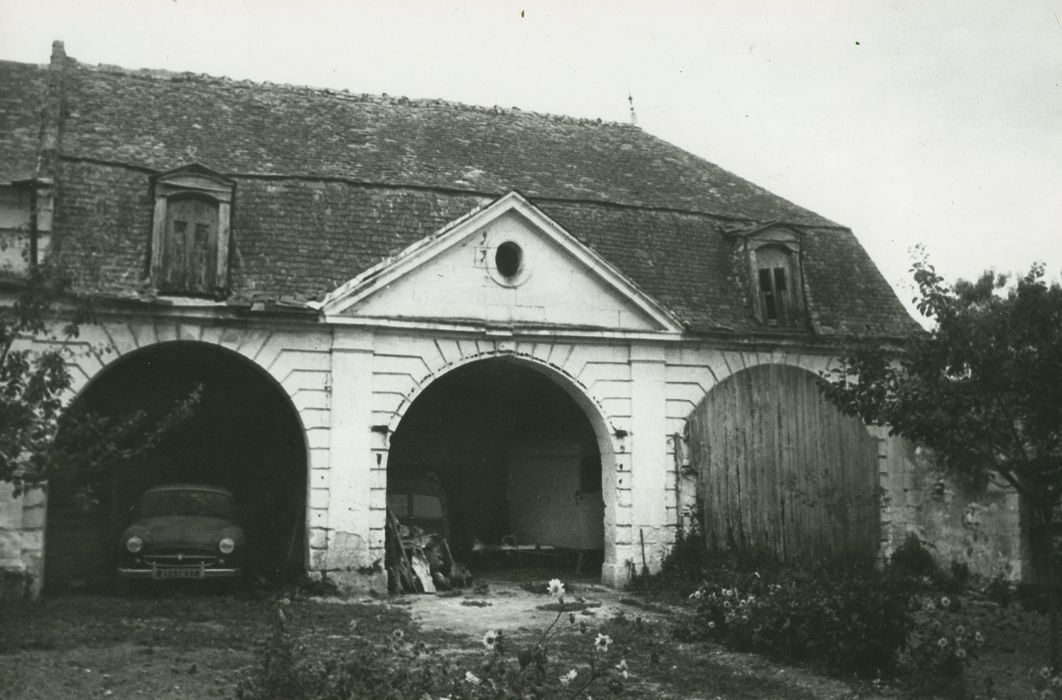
{"points": [[508, 259]]}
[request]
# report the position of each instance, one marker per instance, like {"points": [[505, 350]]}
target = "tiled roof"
{"points": [[159, 120], [330, 183], [21, 96]]}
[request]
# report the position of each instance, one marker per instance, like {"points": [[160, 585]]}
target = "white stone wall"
{"points": [[297, 358], [401, 365], [351, 387]]}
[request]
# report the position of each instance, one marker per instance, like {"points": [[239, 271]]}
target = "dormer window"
{"points": [[771, 253], [190, 236], [774, 278], [25, 224]]}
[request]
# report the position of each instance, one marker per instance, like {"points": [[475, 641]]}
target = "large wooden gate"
{"points": [[782, 471]]}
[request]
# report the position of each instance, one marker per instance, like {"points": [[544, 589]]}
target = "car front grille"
{"points": [[180, 559]]}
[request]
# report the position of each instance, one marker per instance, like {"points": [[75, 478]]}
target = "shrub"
{"points": [[852, 621], [913, 561]]}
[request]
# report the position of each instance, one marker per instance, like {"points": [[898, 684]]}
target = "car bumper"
{"points": [[178, 572]]}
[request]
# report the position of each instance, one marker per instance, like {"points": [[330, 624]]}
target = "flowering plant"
{"points": [[939, 647], [569, 658], [851, 621]]}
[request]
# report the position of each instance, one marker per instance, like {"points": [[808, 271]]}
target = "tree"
{"points": [[982, 389], [39, 437]]}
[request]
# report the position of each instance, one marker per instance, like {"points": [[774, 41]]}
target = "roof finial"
{"points": [[633, 116]]}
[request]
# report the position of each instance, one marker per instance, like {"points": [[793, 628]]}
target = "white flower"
{"points": [[945, 602], [556, 587], [711, 624], [490, 639], [622, 668], [471, 678], [603, 642], [568, 677]]}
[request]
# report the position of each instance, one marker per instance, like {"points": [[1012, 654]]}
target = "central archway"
{"points": [[244, 434], [522, 454]]}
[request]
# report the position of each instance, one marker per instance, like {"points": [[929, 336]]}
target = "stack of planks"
{"points": [[420, 563]]}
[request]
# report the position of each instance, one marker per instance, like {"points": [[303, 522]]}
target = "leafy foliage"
{"points": [[982, 389], [38, 437], [939, 646], [850, 621], [892, 623]]}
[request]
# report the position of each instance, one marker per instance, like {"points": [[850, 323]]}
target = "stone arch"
{"points": [[578, 391], [104, 344], [273, 498], [610, 441]]}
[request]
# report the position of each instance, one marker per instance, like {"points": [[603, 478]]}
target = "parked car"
{"points": [[182, 531]]}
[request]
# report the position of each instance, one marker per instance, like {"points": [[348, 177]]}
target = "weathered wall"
{"points": [[958, 525], [351, 386], [21, 536]]}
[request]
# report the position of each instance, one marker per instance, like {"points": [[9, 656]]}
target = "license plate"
{"points": [[182, 572]]}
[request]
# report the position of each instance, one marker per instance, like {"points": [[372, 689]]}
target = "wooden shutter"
{"points": [[190, 247]]}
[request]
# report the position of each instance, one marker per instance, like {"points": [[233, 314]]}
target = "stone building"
{"points": [[530, 307]]}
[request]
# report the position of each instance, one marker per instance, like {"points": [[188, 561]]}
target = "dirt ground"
{"points": [[507, 606], [191, 645], [196, 646]]}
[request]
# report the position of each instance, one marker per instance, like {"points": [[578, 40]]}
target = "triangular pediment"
{"points": [[504, 264]]}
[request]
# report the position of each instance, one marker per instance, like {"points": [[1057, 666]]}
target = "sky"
{"points": [[916, 122]]}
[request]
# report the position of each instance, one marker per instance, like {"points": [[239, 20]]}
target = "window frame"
{"points": [[781, 244], [192, 182], [772, 258]]}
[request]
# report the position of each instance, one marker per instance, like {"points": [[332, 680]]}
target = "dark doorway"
{"points": [[516, 457], [244, 435]]}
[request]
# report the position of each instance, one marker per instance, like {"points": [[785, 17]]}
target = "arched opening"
{"points": [[783, 472], [243, 435], [517, 459]]}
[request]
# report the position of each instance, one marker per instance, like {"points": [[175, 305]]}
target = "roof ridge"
{"points": [[343, 93]]}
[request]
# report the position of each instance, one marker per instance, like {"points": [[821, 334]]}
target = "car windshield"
{"points": [[189, 502]]}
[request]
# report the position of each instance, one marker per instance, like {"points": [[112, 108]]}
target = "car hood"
{"points": [[183, 530]]}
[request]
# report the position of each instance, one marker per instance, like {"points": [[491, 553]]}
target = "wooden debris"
{"points": [[420, 563]]}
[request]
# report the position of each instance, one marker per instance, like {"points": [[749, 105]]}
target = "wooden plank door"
{"points": [[782, 471]]}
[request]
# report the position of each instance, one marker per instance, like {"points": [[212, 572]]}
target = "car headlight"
{"points": [[134, 544], [226, 545]]}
